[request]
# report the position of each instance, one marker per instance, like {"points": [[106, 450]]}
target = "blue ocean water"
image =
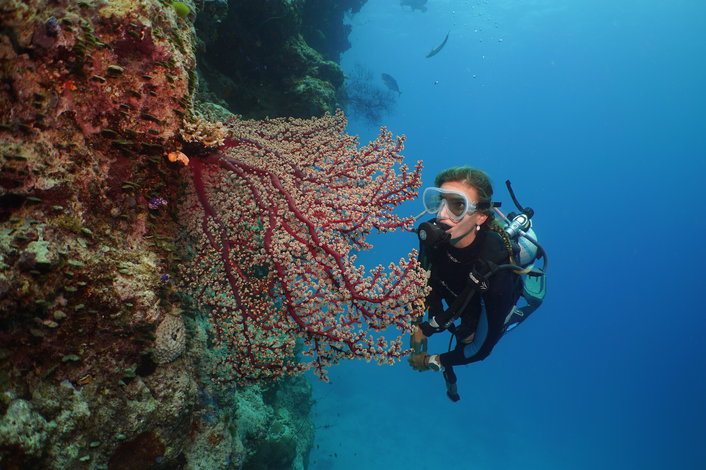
{"points": [[596, 110]]}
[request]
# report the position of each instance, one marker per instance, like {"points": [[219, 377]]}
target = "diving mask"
{"points": [[456, 202]]}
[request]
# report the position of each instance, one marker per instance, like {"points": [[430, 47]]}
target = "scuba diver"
{"points": [[479, 267]]}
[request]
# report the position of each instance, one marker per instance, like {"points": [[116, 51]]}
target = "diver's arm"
{"points": [[499, 299], [433, 303], [477, 350], [440, 319]]}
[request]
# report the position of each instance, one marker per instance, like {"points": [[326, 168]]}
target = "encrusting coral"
{"points": [[170, 338], [207, 133]]}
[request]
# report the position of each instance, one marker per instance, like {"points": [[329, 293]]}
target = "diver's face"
{"points": [[463, 231]]}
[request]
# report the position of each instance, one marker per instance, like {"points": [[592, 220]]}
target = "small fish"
{"points": [[390, 82], [415, 4], [436, 50]]}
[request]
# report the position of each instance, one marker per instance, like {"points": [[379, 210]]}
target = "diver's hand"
{"points": [[418, 341], [419, 361], [418, 336]]}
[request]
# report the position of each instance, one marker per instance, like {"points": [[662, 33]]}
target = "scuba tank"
{"points": [[519, 229]]}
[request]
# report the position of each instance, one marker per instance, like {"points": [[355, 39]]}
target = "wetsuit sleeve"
{"points": [[498, 299]]}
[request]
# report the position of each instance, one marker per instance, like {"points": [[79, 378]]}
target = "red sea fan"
{"points": [[277, 217]]}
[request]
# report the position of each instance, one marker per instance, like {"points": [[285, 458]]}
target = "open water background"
{"points": [[596, 110]]}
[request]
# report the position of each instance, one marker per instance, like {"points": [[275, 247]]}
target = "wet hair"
{"points": [[479, 180]]}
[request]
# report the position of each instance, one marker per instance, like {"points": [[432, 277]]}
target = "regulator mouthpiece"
{"points": [[433, 233]]}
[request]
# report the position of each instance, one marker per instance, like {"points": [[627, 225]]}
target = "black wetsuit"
{"points": [[485, 314]]}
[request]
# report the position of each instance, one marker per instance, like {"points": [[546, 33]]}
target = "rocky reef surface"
{"points": [[103, 363], [269, 58]]}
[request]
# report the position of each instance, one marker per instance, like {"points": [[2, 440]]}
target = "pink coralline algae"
{"points": [[277, 217]]}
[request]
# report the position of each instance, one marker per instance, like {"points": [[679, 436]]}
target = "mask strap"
{"points": [[425, 212]]}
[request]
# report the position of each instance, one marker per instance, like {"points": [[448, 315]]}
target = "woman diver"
{"points": [[462, 247]]}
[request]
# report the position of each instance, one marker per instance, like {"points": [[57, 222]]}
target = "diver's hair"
{"points": [[479, 180]]}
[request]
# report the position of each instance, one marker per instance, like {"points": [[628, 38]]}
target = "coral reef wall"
{"points": [[270, 58], [100, 359], [323, 25]]}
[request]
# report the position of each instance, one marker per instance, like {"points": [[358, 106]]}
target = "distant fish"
{"points": [[414, 4], [439, 47], [390, 82]]}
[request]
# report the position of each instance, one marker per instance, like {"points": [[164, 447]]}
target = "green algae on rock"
{"points": [[182, 9]]}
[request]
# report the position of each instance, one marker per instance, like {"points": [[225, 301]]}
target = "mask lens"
{"points": [[432, 200], [456, 202]]}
